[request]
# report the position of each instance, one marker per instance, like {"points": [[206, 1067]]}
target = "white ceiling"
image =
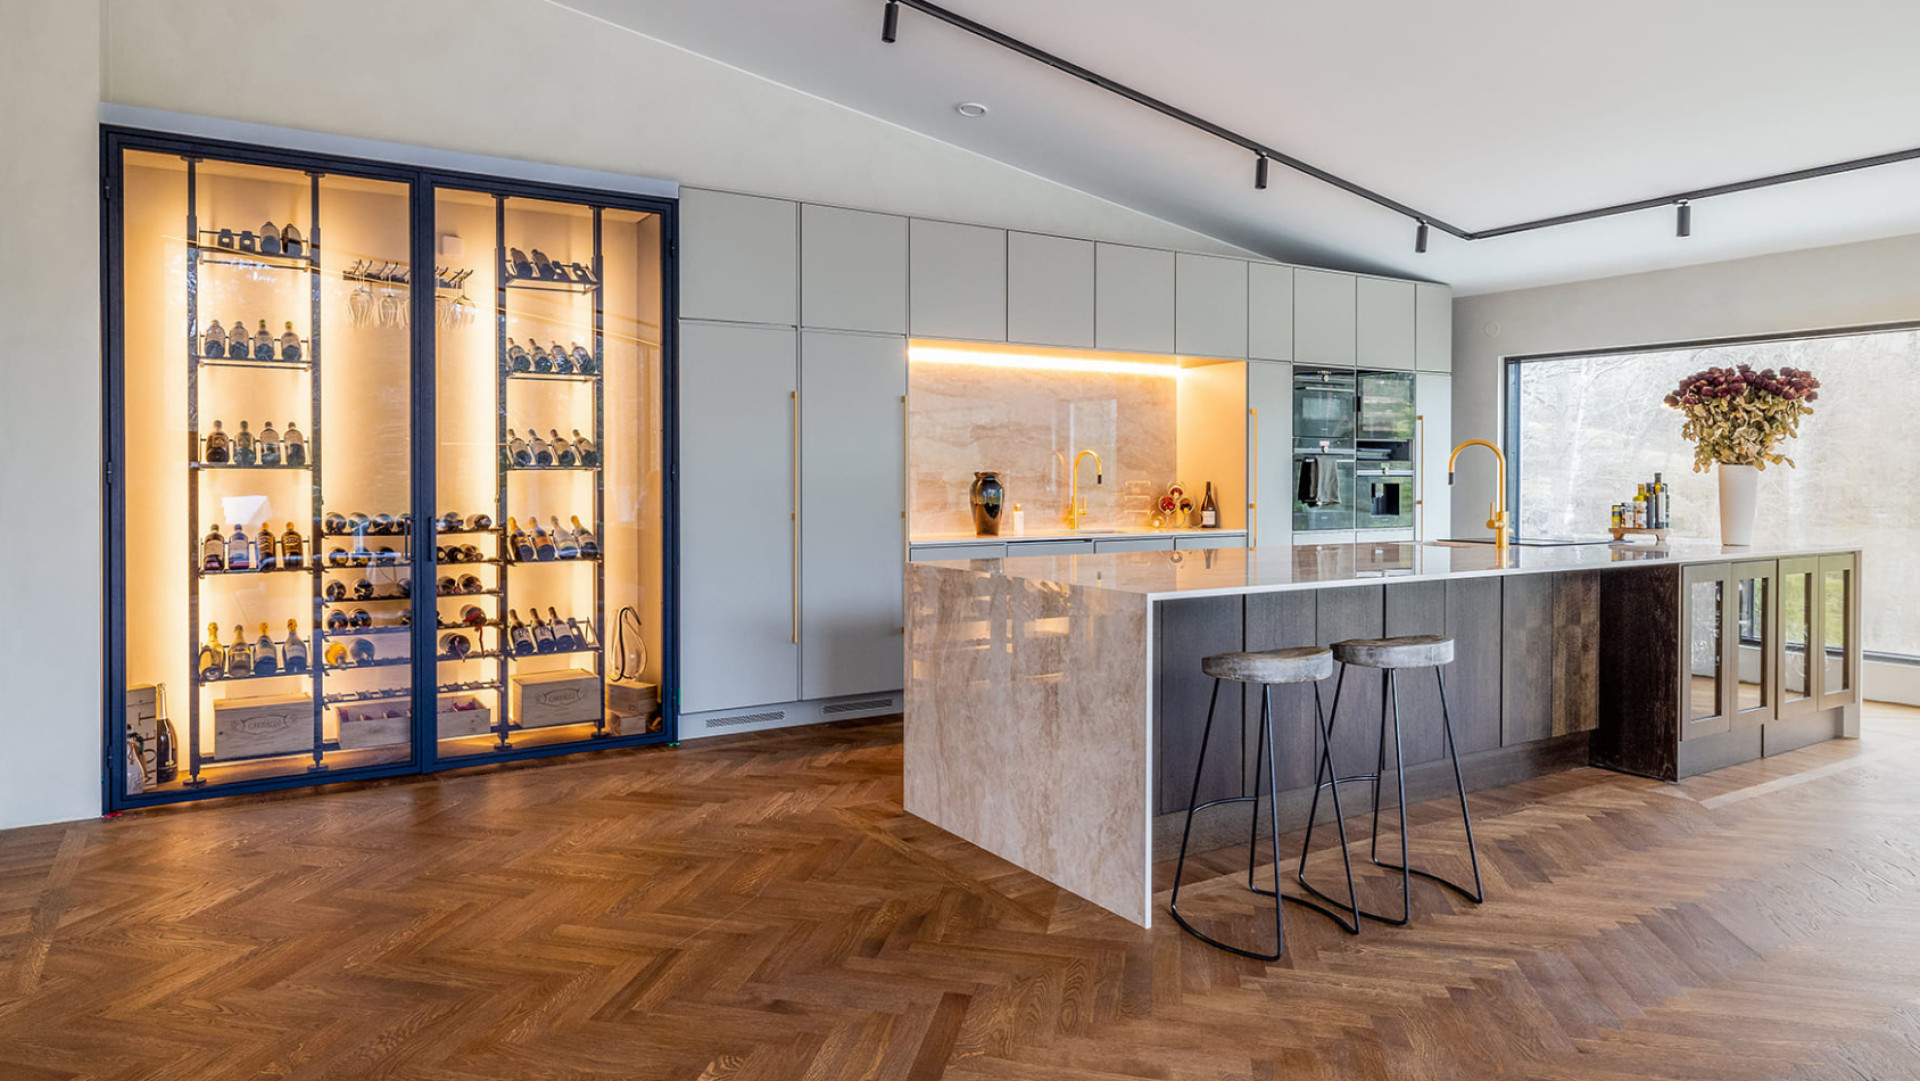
{"points": [[1482, 112]]}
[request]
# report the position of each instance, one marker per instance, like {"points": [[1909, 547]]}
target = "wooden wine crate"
{"points": [[632, 707], [143, 720], [542, 699], [269, 724], [369, 726]]}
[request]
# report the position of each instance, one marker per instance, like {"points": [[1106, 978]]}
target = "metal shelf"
{"points": [[238, 362], [281, 674]]}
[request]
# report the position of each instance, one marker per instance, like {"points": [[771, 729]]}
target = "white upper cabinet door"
{"points": [[1133, 299], [852, 529], [1433, 327], [1269, 454], [1269, 311], [1210, 314], [738, 609], [958, 282], [1049, 290], [1433, 404], [1383, 329], [739, 258], [1323, 315], [853, 270]]}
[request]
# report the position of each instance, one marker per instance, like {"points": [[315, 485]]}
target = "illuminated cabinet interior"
{"points": [[333, 557]]}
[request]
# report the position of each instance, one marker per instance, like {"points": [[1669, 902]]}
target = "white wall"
{"points": [[49, 411], [515, 78]]}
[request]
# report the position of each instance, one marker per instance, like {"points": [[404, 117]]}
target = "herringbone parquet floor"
{"points": [[762, 909]]}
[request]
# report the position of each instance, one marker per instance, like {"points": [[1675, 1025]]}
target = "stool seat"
{"points": [[1405, 651], [1300, 664]]}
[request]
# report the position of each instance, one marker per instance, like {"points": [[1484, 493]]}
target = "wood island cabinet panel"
{"points": [[1576, 652], [1473, 680], [1187, 631], [1639, 730], [1282, 621], [1418, 608], [1526, 651], [1353, 612]]}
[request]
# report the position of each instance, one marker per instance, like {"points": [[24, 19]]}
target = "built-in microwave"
{"points": [[1383, 495], [1386, 407]]}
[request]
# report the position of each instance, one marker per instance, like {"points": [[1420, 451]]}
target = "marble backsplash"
{"points": [[1027, 426]]}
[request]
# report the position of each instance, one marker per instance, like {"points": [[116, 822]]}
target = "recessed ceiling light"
{"points": [[972, 110]]}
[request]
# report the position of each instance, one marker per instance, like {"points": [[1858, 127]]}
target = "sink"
{"points": [[1528, 542]]}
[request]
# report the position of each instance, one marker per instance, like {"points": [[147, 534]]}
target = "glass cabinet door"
{"points": [[1838, 617], [1751, 649], [1702, 687], [1797, 581]]}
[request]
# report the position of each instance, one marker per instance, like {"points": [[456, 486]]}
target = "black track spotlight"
{"points": [[1683, 219], [1420, 239], [1260, 172], [890, 24]]}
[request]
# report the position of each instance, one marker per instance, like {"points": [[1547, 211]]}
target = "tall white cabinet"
{"points": [[1433, 405], [1269, 454]]}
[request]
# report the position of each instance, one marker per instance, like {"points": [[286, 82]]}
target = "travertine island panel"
{"points": [[1054, 704]]}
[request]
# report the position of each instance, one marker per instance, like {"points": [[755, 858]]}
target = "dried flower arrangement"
{"points": [[1737, 416]]}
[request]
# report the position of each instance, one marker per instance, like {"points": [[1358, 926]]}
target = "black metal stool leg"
{"points": [[1324, 768], [1173, 904], [1478, 894], [1253, 820]]}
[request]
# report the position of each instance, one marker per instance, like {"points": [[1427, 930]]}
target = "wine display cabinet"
{"points": [[389, 469]]}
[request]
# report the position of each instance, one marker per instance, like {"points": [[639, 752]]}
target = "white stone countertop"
{"points": [[1058, 533], [1228, 571]]}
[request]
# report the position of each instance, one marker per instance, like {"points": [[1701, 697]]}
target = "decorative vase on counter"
{"points": [[1739, 500], [987, 497]]}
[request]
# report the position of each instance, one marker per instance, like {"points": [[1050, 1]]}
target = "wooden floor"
{"points": [[762, 908]]}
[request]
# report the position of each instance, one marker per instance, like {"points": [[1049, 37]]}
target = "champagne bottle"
{"points": [[542, 634], [517, 448], [296, 446], [588, 543], [542, 451], [289, 344], [1209, 510], [565, 546], [239, 655], [239, 345], [563, 640], [218, 449], [239, 549], [517, 357], [166, 751], [213, 659], [293, 550], [518, 542], [296, 649], [243, 447], [583, 446], [266, 655], [215, 341], [563, 450], [543, 548], [262, 343], [269, 445], [213, 552], [518, 634], [362, 651], [336, 655]]}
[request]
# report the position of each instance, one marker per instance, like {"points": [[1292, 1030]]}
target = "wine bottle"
{"points": [[470, 584], [166, 751], [213, 552], [542, 451], [290, 242], [517, 357], [264, 554], [517, 448], [219, 451], [269, 445], [1209, 510], [239, 549], [384, 525], [543, 548], [289, 344], [361, 619], [239, 345], [362, 651], [262, 343], [478, 523], [518, 634], [336, 619], [542, 360], [293, 549], [296, 649], [243, 447], [471, 554], [266, 655], [583, 634], [577, 633], [213, 659], [565, 546], [214, 343], [362, 589], [583, 446], [296, 446], [269, 239], [239, 655], [473, 615], [455, 645], [563, 450], [589, 545], [542, 634], [562, 360], [518, 542], [563, 640], [337, 557], [583, 360]]}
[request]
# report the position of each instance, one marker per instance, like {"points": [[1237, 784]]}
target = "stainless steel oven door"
{"points": [[1383, 500]]}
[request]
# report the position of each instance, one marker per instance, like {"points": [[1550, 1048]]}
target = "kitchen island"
{"points": [[1054, 704]]}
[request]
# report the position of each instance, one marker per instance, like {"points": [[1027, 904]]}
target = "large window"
{"points": [[1587, 429]]}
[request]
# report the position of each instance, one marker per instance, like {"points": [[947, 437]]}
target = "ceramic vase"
{"points": [[987, 497], [1739, 501]]}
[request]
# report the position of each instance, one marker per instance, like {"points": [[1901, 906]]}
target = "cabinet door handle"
{"points": [[794, 518], [1253, 486], [1420, 479]]}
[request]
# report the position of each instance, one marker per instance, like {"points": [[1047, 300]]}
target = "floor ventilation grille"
{"points": [[853, 707], [748, 718]]}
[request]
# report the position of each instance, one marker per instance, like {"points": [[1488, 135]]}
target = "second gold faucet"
{"points": [[1076, 503]]}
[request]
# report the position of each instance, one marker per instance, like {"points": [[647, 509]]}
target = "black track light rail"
{"points": [[1264, 153]]}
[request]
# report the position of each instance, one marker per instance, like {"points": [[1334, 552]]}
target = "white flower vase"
{"points": [[1739, 502]]}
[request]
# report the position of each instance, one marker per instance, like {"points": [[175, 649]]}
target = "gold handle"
{"points": [[1253, 486], [794, 517], [1420, 478]]}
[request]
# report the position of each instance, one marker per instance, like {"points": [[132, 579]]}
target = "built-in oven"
{"points": [[1323, 486], [1383, 495], [1323, 409], [1386, 407]]}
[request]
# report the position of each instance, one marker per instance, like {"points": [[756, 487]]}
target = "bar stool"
{"points": [[1392, 655], [1307, 664]]}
